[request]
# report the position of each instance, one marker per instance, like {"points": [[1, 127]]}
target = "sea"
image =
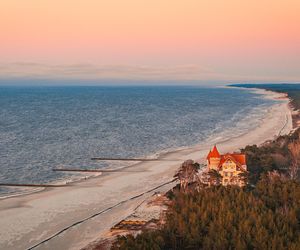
{"points": [[48, 127]]}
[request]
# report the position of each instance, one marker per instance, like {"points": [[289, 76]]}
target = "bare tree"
{"points": [[294, 149], [274, 176], [212, 177], [187, 173]]}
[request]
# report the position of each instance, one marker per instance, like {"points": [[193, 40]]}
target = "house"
{"points": [[229, 166]]}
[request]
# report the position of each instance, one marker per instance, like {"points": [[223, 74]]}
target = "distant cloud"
{"points": [[123, 72], [93, 72]]}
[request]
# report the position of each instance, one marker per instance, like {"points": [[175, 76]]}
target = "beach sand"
{"points": [[27, 220]]}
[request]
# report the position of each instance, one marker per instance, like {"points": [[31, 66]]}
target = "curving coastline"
{"points": [[30, 219]]}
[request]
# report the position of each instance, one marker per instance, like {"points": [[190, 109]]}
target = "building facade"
{"points": [[229, 166]]}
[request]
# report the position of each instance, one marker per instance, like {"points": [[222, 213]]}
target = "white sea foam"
{"points": [[41, 128]]}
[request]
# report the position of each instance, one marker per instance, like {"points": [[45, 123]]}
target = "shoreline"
{"points": [[81, 177], [84, 198]]}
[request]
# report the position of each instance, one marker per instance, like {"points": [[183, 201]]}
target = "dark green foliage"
{"points": [[274, 155], [259, 160], [145, 241], [266, 217]]}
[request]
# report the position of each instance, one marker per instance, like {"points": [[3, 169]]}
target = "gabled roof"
{"points": [[241, 158], [238, 159]]}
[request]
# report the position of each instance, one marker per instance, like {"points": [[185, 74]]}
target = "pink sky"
{"points": [[228, 38]]}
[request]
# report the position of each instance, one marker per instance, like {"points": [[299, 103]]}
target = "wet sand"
{"points": [[71, 217]]}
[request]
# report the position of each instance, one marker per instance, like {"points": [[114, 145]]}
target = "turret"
{"points": [[213, 159]]}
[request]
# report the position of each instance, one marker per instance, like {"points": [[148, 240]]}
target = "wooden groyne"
{"points": [[76, 170], [130, 159], [29, 185], [91, 170]]}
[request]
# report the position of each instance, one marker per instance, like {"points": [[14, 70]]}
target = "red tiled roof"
{"points": [[214, 153], [239, 159]]}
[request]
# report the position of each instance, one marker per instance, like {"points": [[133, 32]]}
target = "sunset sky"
{"points": [[218, 40]]}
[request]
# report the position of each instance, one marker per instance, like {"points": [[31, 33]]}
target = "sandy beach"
{"points": [[71, 217]]}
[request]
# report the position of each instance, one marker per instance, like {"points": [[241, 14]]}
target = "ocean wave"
{"points": [[42, 128]]}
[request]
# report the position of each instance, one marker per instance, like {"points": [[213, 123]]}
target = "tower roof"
{"points": [[214, 153]]}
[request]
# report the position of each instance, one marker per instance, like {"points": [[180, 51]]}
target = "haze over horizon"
{"points": [[206, 41]]}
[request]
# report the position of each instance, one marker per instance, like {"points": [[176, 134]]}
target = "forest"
{"points": [[266, 217], [265, 214]]}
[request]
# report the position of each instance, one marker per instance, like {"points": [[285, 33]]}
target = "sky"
{"points": [[205, 40]]}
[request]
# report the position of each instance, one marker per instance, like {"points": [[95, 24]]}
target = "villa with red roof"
{"points": [[229, 166]]}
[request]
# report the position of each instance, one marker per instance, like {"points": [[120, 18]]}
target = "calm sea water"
{"points": [[45, 127]]}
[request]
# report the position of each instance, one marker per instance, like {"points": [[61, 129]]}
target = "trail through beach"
{"points": [[73, 216]]}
